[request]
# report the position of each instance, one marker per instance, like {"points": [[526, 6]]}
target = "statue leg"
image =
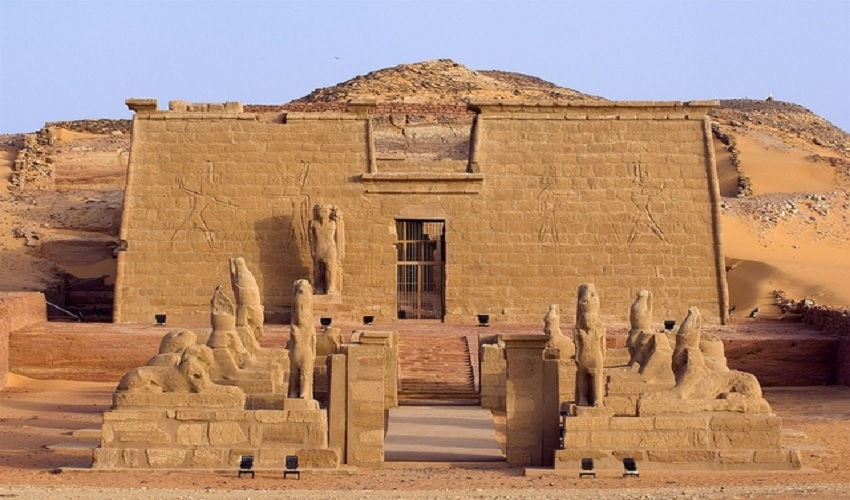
{"points": [[294, 381], [306, 381], [598, 386], [582, 387]]}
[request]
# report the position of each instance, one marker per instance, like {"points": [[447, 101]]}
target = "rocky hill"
{"points": [[783, 170]]}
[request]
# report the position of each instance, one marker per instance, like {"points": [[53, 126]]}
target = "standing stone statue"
{"points": [[640, 317], [557, 340], [589, 341], [302, 341], [327, 247], [249, 306]]}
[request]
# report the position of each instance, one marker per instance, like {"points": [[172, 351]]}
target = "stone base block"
{"points": [[264, 401], [178, 400], [691, 460], [711, 440], [300, 404], [253, 386], [659, 406]]}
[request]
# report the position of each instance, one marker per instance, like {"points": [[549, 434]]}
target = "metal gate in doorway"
{"points": [[421, 252]]}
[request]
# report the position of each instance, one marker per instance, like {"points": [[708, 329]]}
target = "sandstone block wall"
{"points": [[17, 310], [493, 376], [621, 194], [213, 438], [366, 410], [721, 440]]}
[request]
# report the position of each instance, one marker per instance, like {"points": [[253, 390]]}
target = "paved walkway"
{"points": [[441, 434]]}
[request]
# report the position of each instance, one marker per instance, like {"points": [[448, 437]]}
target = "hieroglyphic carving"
{"points": [[201, 201], [643, 194], [296, 206]]}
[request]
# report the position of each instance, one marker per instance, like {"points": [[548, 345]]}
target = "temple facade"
{"points": [[416, 212]]}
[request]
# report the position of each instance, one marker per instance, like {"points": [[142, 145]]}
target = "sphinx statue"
{"points": [[557, 340], [249, 305], [697, 379], [590, 348]]}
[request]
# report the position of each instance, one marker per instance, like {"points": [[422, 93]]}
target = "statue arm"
{"points": [[339, 237]]}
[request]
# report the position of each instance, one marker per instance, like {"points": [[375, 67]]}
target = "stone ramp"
{"points": [[441, 434], [435, 368]]}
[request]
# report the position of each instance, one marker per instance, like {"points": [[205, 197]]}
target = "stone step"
{"points": [[434, 367]]}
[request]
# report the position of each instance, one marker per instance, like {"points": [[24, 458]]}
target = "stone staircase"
{"points": [[435, 369]]}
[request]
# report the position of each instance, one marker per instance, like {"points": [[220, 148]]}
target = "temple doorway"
{"points": [[421, 251]]}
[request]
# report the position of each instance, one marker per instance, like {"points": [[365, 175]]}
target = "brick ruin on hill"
{"points": [[448, 212]]}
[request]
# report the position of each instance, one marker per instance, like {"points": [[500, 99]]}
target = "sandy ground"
{"points": [[40, 413]]}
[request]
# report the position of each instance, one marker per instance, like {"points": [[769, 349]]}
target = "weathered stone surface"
{"points": [[682, 456], [225, 433], [122, 400], [160, 457], [735, 456], [209, 457], [284, 433], [192, 434], [318, 459]]}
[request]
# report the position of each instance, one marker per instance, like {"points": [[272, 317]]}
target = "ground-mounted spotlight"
{"points": [[483, 320], [368, 320], [291, 464], [630, 468], [669, 324], [160, 319], [246, 466], [587, 468]]}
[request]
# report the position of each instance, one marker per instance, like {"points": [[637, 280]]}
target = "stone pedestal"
{"points": [[704, 440], [524, 398], [215, 438]]}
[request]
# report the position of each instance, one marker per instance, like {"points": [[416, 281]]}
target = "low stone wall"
{"points": [[835, 322], [17, 310], [721, 441], [213, 438]]}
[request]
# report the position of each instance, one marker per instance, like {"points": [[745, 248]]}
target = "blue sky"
{"points": [[76, 59]]}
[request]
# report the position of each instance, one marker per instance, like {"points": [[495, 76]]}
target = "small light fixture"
{"points": [[669, 324], [325, 321], [368, 320], [246, 466], [483, 320], [630, 468], [587, 468], [291, 467], [160, 319]]}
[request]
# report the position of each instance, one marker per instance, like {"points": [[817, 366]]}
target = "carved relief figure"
{"points": [[546, 205], [201, 201], [302, 341], [557, 340], [327, 247], [590, 348], [249, 306], [642, 197]]}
